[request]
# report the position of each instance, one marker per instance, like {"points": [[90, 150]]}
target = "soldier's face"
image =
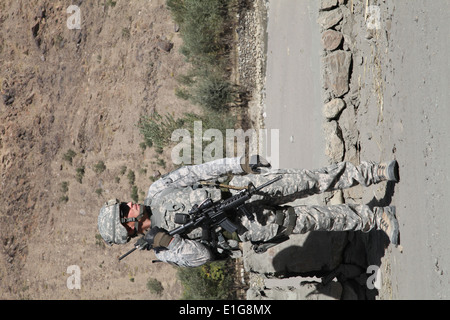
{"points": [[144, 223], [133, 212]]}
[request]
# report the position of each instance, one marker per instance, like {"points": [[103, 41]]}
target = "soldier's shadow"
{"points": [[362, 250]]}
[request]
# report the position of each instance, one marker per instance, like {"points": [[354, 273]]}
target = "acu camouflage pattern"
{"points": [[300, 183], [176, 192]]}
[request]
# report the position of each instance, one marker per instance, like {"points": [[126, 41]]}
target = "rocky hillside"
{"points": [[71, 101]]}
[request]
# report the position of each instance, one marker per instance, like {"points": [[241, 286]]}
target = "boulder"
{"points": [[331, 39], [328, 19], [334, 146], [332, 109], [337, 72], [328, 4]]}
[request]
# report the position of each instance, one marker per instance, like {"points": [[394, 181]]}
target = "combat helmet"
{"points": [[110, 222]]}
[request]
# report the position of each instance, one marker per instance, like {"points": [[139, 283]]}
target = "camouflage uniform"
{"points": [[178, 191], [272, 213]]}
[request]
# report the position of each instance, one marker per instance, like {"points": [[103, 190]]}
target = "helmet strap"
{"points": [[135, 220]]}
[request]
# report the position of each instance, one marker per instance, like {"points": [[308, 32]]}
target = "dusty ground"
{"points": [[403, 114], [83, 90], [398, 107]]}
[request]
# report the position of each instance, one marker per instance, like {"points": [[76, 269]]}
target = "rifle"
{"points": [[209, 214]]}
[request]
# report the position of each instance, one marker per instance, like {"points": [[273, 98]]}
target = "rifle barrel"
{"points": [[268, 183], [126, 254]]}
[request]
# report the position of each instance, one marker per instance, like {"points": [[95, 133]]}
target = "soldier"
{"points": [[181, 189]]}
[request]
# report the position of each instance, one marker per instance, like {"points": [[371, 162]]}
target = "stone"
{"points": [[328, 4], [332, 109], [350, 133], [328, 19], [337, 72], [165, 45], [331, 39], [334, 146], [306, 291]]}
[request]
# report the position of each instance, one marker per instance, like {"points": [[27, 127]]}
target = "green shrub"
{"points": [[202, 23], [64, 186], [154, 286], [79, 174], [212, 92], [131, 177], [157, 129], [68, 156], [209, 281], [99, 167], [134, 194], [204, 26]]}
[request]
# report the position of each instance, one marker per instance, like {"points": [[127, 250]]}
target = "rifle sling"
{"points": [[280, 218]]}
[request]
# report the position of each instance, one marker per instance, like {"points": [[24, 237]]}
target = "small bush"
{"points": [[110, 3], [99, 167], [131, 177], [99, 240], [64, 186], [68, 156], [205, 30], [154, 286], [79, 174], [134, 194], [157, 129], [210, 281], [213, 92]]}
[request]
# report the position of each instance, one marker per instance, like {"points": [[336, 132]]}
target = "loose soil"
{"points": [[82, 90]]}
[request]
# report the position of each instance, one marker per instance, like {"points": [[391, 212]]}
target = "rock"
{"points": [[331, 39], [350, 133], [332, 109], [328, 19], [306, 291], [165, 45], [328, 4], [9, 97], [334, 146], [156, 174], [337, 72]]}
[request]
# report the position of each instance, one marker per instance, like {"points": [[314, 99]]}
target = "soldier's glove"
{"points": [[157, 237], [254, 164]]}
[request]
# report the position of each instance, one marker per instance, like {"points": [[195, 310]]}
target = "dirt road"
{"points": [[293, 102], [413, 128], [400, 70]]}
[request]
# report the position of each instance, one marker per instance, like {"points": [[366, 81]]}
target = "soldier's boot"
{"points": [[387, 221], [388, 171]]}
